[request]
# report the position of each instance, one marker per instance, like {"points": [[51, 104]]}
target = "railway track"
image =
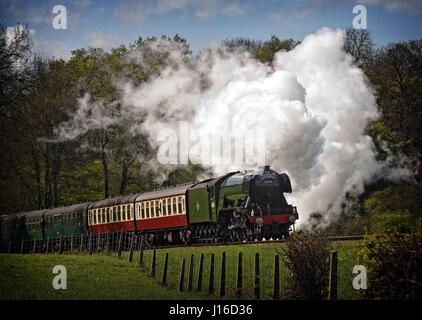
{"points": [[217, 244]]}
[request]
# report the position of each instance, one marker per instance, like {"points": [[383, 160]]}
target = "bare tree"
{"points": [[360, 46]]}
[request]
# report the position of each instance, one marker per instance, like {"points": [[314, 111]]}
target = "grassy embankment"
{"points": [[107, 277]]}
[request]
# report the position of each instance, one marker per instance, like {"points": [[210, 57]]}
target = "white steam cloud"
{"points": [[313, 104]]}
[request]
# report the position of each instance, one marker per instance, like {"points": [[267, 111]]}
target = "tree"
{"points": [[396, 75], [16, 74], [267, 51], [243, 44], [360, 46]]}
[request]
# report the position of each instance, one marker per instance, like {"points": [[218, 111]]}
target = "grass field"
{"points": [[108, 277], [89, 277]]}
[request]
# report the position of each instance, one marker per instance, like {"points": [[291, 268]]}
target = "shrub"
{"points": [[394, 264], [394, 209], [392, 222], [306, 257]]}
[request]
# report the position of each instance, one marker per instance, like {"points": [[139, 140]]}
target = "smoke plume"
{"points": [[313, 105]]}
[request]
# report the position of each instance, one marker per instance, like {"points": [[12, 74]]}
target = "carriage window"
{"points": [[179, 204], [130, 212], [183, 204], [164, 207], [124, 212], [108, 214], [95, 216], [152, 206], [143, 210], [168, 206], [173, 200], [103, 215], [158, 206]]}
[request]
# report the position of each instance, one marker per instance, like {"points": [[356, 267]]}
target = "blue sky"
{"points": [[110, 23]]}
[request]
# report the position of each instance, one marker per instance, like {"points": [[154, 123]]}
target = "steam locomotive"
{"points": [[238, 206]]}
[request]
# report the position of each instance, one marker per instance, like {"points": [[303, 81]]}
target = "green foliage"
{"points": [[267, 51], [395, 208], [262, 51], [185, 174], [383, 136], [306, 258], [394, 263], [349, 225], [396, 75]]}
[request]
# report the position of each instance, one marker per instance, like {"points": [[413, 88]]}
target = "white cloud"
{"points": [[207, 9], [52, 48], [134, 11], [102, 40], [411, 6]]}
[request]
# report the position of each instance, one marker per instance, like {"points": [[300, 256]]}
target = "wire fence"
{"points": [[242, 273]]}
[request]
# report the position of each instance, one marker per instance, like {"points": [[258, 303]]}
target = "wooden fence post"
{"points": [[22, 245], [81, 245], [276, 294], [166, 261], [141, 252], [211, 284], [71, 243], [201, 270], [153, 262], [223, 276], [332, 280], [34, 247], [190, 275], [257, 284], [182, 275], [60, 244], [98, 243], [108, 244], [119, 245], [132, 242], [90, 244], [48, 244], [239, 275]]}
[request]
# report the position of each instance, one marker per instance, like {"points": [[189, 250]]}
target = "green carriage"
{"points": [[66, 221]]}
